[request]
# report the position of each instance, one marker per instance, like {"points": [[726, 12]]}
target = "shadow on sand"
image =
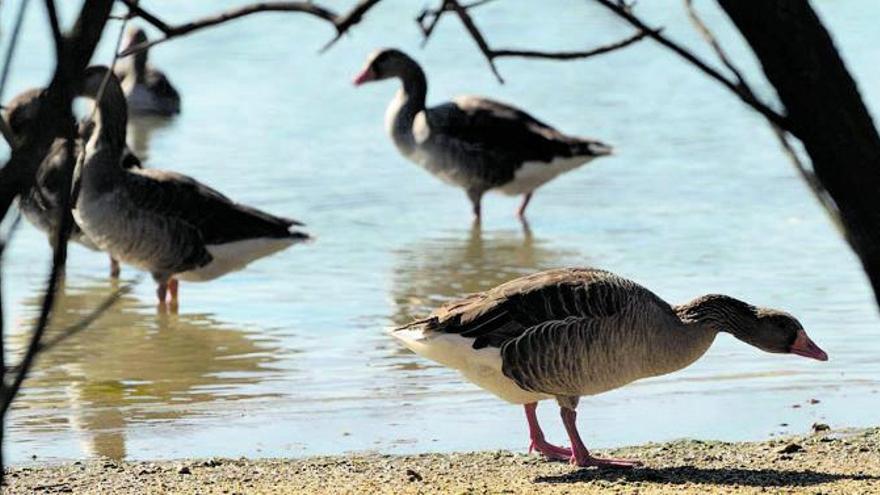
{"points": [[705, 476]]}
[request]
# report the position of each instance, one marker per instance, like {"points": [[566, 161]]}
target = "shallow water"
{"points": [[290, 356]]}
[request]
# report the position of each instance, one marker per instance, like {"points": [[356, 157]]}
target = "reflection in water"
{"points": [[436, 270], [132, 366], [140, 132]]}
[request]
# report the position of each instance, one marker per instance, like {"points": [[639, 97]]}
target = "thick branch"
{"points": [[816, 187], [825, 111], [53, 119], [341, 23]]}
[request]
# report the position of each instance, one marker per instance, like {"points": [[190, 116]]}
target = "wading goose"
{"points": [[565, 333], [471, 142], [165, 223], [147, 89], [40, 205]]}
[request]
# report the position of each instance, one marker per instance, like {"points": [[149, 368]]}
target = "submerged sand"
{"points": [[828, 462]]}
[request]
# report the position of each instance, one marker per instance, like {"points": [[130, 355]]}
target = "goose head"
{"points": [[21, 111], [386, 63], [137, 62], [768, 329]]}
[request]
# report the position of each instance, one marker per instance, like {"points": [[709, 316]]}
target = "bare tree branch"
{"points": [[345, 22], [428, 19], [53, 118], [427, 26], [624, 12], [819, 192], [341, 23], [135, 10], [570, 55]]}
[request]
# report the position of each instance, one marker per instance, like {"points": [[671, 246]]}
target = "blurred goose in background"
{"points": [[160, 221], [41, 204], [565, 333], [474, 143], [146, 88]]}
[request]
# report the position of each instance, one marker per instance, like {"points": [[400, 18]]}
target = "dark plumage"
{"points": [[163, 222], [40, 205], [571, 332], [475, 143]]}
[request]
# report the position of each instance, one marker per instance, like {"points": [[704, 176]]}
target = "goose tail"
{"points": [[587, 147], [414, 331]]}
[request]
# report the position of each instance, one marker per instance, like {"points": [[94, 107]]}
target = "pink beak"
{"points": [[805, 347], [366, 75]]}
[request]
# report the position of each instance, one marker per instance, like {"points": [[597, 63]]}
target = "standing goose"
{"points": [[163, 222], [474, 143], [147, 89], [565, 333], [40, 205]]}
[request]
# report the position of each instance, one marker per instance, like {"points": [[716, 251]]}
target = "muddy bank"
{"points": [[828, 462]]}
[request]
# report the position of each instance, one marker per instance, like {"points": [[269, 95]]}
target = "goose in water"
{"points": [[147, 89], [474, 143], [565, 333], [163, 222], [41, 203]]}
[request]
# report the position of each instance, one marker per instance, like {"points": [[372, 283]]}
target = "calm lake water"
{"points": [[290, 357]]}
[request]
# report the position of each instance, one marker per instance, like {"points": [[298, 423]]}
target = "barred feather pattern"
{"points": [[574, 332]]}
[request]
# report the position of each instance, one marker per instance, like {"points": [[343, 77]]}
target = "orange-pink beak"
{"points": [[805, 347], [366, 75]]}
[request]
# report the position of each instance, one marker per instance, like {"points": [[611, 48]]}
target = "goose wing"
{"points": [[500, 315], [217, 218], [503, 132]]}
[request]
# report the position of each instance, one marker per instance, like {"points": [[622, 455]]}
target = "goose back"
{"points": [[482, 144], [565, 333]]}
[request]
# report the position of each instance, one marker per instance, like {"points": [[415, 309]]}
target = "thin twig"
{"points": [[354, 16], [59, 257], [109, 74], [341, 23], [84, 322], [429, 18], [815, 186], [77, 49], [13, 42], [134, 9], [435, 14], [7, 65], [475, 33], [624, 12], [498, 52]]}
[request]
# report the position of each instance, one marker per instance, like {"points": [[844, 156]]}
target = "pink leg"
{"points": [[161, 290], [476, 198], [521, 212], [580, 455], [538, 443], [172, 289], [114, 268]]}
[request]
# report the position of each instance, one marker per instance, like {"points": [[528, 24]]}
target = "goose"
{"points": [[41, 203], [148, 90], [472, 142], [165, 223], [566, 333]]}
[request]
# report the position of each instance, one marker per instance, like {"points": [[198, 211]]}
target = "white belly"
{"points": [[480, 366], [532, 175], [234, 256]]}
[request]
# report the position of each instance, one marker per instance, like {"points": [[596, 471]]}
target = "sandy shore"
{"points": [[844, 462]]}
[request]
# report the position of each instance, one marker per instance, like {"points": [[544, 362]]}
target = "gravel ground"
{"points": [[827, 462]]}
